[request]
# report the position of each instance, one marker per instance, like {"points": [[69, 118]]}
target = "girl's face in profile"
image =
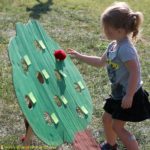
{"points": [[113, 33]]}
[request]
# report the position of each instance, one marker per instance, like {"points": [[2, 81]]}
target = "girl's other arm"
{"points": [[132, 83]]}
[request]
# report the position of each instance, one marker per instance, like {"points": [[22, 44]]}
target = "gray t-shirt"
{"points": [[117, 54]]}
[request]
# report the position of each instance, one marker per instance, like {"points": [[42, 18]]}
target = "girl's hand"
{"points": [[73, 52], [127, 102]]}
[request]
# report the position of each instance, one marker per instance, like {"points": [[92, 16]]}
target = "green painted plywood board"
{"points": [[35, 78]]}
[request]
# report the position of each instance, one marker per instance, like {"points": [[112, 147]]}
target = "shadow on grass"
{"points": [[40, 8]]}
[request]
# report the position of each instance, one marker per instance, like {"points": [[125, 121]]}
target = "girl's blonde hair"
{"points": [[119, 15]]}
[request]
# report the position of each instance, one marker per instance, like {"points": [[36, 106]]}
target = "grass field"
{"points": [[75, 24]]}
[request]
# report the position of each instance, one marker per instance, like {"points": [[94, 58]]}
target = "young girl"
{"points": [[128, 101]]}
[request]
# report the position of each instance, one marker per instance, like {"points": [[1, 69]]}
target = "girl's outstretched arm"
{"points": [[91, 60]]}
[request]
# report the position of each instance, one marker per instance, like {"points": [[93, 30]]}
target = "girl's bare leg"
{"points": [[110, 135], [125, 136]]}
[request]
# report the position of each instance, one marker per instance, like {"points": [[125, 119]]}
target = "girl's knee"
{"points": [[106, 118], [115, 128], [118, 126]]}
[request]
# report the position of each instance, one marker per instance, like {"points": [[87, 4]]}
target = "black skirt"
{"points": [[139, 111]]}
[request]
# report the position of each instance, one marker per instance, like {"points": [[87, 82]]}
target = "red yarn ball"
{"points": [[60, 54]]}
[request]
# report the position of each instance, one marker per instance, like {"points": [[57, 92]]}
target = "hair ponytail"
{"points": [[135, 21]]}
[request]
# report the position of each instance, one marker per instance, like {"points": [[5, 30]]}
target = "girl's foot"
{"points": [[107, 146]]}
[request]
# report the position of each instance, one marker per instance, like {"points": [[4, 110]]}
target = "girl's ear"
{"points": [[121, 30]]}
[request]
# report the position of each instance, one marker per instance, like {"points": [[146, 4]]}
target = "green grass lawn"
{"points": [[74, 24]]}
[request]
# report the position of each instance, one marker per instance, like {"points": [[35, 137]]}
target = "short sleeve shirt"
{"points": [[117, 54]]}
